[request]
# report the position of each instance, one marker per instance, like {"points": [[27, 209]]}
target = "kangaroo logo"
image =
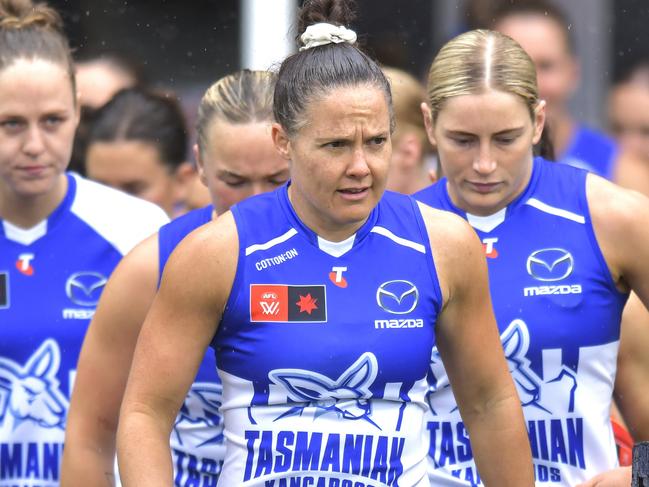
{"points": [[533, 390], [31, 393], [201, 408], [348, 396]]}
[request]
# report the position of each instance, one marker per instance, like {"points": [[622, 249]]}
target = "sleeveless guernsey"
{"points": [[558, 312], [197, 443], [323, 349], [591, 150], [51, 276]]}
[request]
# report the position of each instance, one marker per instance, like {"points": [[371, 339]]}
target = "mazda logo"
{"points": [[397, 297], [84, 288], [550, 264]]}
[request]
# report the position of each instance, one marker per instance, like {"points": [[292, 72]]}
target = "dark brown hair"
{"points": [[312, 73], [29, 31], [140, 115]]}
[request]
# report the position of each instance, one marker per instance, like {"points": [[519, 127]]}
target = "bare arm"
{"points": [[181, 323], [632, 380], [473, 356], [621, 223], [103, 367]]}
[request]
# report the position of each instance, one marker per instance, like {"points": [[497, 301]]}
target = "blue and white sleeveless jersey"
{"points": [[51, 277], [591, 150], [558, 312], [323, 349], [197, 442]]}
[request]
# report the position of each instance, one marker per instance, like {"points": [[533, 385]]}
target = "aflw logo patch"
{"points": [[287, 304]]}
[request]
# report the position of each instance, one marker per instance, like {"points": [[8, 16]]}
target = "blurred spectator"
{"points": [[410, 147], [100, 77], [628, 111], [138, 143]]}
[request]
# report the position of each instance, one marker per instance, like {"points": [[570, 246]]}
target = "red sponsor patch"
{"points": [[268, 302], [333, 277], [288, 303]]}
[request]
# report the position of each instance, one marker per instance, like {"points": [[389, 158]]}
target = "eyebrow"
{"points": [[501, 132]]}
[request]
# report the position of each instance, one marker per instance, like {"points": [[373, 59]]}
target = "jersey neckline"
{"points": [[511, 207], [27, 236], [312, 236]]}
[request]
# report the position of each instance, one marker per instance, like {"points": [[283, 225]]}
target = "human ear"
{"points": [[281, 140], [428, 122], [539, 121], [200, 166]]}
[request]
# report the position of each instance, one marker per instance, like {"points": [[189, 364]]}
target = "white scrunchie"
{"points": [[323, 33]]}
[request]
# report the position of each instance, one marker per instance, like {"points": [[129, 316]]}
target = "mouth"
{"points": [[355, 193], [483, 188], [33, 170]]}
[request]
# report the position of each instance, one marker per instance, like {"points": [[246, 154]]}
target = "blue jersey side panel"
{"points": [[558, 312], [197, 437], [591, 150], [327, 353], [50, 283]]}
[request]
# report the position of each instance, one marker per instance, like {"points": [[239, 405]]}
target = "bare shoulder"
{"points": [[449, 234], [632, 172], [614, 210], [142, 260], [205, 261], [612, 202], [620, 220], [455, 246]]}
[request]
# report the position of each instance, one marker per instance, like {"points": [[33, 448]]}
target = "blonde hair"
{"points": [[238, 98], [407, 96], [477, 61]]}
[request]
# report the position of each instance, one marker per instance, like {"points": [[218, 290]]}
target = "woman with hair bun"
{"points": [[60, 238], [323, 301], [564, 247]]}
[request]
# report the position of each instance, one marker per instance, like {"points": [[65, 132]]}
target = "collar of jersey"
{"points": [[309, 234], [59, 212], [511, 207]]}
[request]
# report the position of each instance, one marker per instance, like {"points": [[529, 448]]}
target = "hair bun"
{"points": [[22, 14], [335, 12]]}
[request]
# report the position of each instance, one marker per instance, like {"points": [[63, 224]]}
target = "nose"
{"points": [[34, 144], [484, 163], [259, 187], [358, 167]]}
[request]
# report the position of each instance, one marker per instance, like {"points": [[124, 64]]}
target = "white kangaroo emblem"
{"points": [[31, 393], [348, 396], [533, 390], [201, 407]]}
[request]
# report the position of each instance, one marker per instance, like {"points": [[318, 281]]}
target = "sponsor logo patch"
{"points": [[288, 304], [336, 276], [84, 288], [489, 247], [549, 265], [397, 297], [24, 264]]}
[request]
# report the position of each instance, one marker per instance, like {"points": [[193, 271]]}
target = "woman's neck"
{"points": [[25, 211]]}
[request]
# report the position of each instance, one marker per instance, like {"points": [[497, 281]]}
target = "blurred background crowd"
{"points": [[179, 49]]}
